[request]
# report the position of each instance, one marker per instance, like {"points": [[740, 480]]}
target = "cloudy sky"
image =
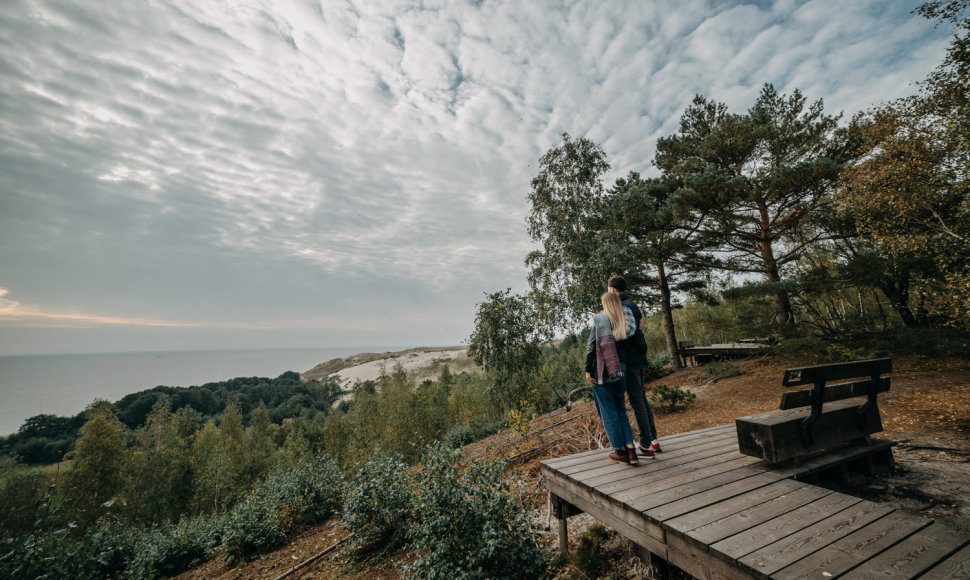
{"points": [[180, 174]]}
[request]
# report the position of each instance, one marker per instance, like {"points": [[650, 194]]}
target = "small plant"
{"points": [[671, 399], [722, 370], [591, 558], [518, 419]]}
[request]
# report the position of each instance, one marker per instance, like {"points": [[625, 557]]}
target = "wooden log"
{"points": [[777, 436]]}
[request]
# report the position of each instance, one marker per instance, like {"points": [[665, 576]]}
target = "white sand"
{"points": [[420, 365]]}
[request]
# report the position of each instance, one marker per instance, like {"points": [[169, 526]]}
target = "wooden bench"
{"points": [[820, 418], [682, 346]]}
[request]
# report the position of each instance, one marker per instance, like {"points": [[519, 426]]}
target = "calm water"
{"points": [[64, 384]]}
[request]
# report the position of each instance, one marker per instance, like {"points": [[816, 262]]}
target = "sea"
{"points": [[64, 384]]}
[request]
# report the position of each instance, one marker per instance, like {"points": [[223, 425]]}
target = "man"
{"points": [[648, 446]]}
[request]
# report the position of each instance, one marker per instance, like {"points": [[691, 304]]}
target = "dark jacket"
{"points": [[637, 349]]}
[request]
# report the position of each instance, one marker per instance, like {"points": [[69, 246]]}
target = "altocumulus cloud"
{"points": [[359, 165]]}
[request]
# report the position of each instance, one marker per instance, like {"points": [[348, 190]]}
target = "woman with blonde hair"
{"points": [[605, 373]]}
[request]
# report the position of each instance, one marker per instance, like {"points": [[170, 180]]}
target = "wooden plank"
{"points": [[715, 495], [670, 444], [836, 371], [914, 555], [590, 463], [686, 435], [830, 459], [654, 469], [627, 522], [854, 548], [755, 515], [645, 492], [955, 566], [773, 489], [698, 563], [784, 524], [803, 397], [802, 543], [776, 436], [667, 503]]}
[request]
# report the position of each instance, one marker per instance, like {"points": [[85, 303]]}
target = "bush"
{"points": [[378, 507], [289, 497], [172, 548], [469, 523], [49, 555], [671, 399], [657, 367], [722, 370], [459, 436]]}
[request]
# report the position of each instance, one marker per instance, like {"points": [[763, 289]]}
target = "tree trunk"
{"points": [[896, 287], [668, 317], [782, 300]]}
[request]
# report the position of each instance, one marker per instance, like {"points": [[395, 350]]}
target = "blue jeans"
{"points": [[611, 409]]}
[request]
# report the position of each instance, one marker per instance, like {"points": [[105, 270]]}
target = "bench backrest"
{"points": [[819, 375]]}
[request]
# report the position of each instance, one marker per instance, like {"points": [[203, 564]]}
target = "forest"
{"points": [[840, 238]]}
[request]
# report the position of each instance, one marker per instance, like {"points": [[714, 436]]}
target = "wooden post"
{"points": [[563, 537], [562, 509]]}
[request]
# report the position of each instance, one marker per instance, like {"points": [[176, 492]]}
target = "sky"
{"points": [[194, 174]]}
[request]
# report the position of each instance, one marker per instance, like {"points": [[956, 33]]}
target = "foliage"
{"points": [[568, 273], [100, 460], [46, 438], [172, 548], [289, 497], [671, 399], [590, 557], [722, 370], [507, 342], [657, 241], [469, 522], [756, 179], [378, 507]]}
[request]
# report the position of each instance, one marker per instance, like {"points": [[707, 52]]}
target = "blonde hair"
{"points": [[613, 308]]}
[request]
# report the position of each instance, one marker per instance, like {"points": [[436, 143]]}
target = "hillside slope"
{"points": [[927, 412]]}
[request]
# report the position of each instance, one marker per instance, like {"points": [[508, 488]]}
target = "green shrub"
{"points": [[657, 367], [671, 399], [722, 370], [252, 526], [459, 436], [470, 523], [50, 555], [378, 507], [289, 497], [173, 548]]}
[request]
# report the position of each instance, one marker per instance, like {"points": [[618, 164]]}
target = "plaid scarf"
{"points": [[608, 369]]}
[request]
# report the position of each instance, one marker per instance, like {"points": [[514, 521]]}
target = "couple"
{"points": [[616, 355]]}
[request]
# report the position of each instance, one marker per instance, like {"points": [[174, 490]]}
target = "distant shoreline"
{"points": [[65, 384]]}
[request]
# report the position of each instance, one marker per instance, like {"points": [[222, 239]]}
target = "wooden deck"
{"points": [[714, 513]]}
